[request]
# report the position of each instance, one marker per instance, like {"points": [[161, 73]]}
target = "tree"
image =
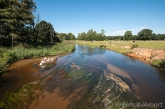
{"points": [[128, 35], [153, 36], [103, 34], [16, 19], [145, 34], [45, 31], [71, 36], [92, 35]]}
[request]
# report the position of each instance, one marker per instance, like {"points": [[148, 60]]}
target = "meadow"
{"points": [[119, 46]]}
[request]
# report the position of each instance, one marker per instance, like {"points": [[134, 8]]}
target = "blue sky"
{"points": [[114, 16]]}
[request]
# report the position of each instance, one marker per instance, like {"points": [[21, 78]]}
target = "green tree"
{"points": [[71, 36], [92, 35], [128, 35], [16, 19], [145, 34], [45, 31], [103, 34], [153, 36]]}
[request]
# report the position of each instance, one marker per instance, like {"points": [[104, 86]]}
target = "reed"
{"points": [[8, 55]]}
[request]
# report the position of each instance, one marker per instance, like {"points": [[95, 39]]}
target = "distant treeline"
{"points": [[145, 34]]}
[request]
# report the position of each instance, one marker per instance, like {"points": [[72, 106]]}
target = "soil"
{"points": [[146, 54]]}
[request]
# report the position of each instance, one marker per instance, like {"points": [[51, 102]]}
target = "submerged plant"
{"points": [[23, 97]]}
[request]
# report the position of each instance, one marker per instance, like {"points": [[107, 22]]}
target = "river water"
{"points": [[99, 77]]}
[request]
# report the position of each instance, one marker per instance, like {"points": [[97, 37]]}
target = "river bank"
{"points": [[11, 72], [151, 52], [8, 55], [26, 69]]}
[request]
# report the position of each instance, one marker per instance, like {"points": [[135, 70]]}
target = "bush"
{"points": [[162, 64], [134, 46], [156, 63]]}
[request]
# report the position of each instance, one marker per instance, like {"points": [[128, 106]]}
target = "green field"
{"points": [[119, 47]]}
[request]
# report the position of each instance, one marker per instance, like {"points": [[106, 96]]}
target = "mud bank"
{"points": [[146, 55]]}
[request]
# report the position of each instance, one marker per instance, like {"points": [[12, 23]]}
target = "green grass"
{"points": [[156, 45], [8, 55], [114, 46], [159, 63]]}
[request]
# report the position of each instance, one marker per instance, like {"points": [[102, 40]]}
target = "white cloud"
{"points": [[120, 32], [137, 29], [134, 31]]}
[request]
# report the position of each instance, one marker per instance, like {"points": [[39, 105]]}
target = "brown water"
{"points": [[145, 81]]}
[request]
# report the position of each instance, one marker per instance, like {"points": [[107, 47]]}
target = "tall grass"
{"points": [[8, 55]]}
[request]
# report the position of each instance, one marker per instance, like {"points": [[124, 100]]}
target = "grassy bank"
{"points": [[8, 55], [156, 45], [125, 47]]}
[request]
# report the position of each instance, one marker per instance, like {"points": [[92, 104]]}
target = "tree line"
{"points": [[18, 24], [144, 34], [92, 35]]}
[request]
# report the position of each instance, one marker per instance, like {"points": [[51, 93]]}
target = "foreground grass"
{"points": [[8, 56]]}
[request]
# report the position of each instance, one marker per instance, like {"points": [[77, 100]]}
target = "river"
{"points": [[97, 77]]}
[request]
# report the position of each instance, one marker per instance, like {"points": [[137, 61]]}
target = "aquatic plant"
{"points": [[85, 86], [88, 87], [23, 97]]}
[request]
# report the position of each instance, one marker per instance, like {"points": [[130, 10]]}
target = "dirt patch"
{"points": [[146, 54]]}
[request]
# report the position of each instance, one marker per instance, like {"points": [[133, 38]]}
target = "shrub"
{"points": [[162, 64], [156, 63], [134, 46]]}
